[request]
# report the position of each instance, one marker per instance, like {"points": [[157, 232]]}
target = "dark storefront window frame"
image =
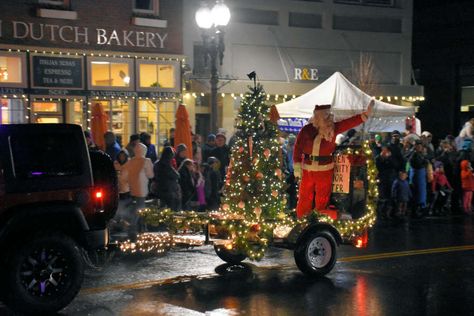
{"points": [[24, 72], [131, 69]]}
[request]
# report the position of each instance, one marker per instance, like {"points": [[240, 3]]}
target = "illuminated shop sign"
{"points": [[306, 73], [81, 35], [57, 72]]}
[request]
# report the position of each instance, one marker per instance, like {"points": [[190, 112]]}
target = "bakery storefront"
{"points": [[136, 86]]}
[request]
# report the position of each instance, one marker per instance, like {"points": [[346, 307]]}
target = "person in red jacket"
{"points": [[312, 156], [467, 184]]}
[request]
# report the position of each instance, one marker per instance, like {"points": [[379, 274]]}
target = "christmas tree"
{"points": [[254, 194]]}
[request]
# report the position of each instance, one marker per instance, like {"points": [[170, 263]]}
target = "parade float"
{"points": [[253, 214]]}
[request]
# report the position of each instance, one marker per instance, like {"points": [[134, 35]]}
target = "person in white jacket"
{"points": [[137, 172]]}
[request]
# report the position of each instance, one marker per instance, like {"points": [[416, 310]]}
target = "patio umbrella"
{"points": [[274, 115], [98, 125], [182, 133]]}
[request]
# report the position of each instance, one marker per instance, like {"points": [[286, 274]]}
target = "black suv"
{"points": [[55, 201]]}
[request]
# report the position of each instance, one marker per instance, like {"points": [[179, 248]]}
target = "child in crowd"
{"points": [[467, 184], [441, 189], [200, 199], [401, 194]]}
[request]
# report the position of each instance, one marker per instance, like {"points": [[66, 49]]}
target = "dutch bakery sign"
{"points": [[83, 35]]}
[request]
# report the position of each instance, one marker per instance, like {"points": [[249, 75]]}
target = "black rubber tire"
{"points": [[302, 254], [229, 256], [33, 256]]}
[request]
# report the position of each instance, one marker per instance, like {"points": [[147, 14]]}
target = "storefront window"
{"points": [[158, 76], [47, 112], [156, 118], [12, 111], [120, 115], [113, 74], [12, 70], [74, 112]]}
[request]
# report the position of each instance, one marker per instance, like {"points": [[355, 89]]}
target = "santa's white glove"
{"points": [[297, 170]]}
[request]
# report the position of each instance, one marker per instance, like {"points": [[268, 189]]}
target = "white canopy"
{"points": [[346, 100]]}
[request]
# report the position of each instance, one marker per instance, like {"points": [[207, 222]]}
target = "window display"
{"points": [[10, 69], [113, 73], [156, 118], [158, 76], [12, 111]]}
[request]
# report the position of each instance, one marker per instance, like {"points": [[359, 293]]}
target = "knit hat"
{"points": [[438, 164], [211, 137], [180, 148]]}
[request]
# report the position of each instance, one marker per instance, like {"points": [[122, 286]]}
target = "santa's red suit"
{"points": [[313, 155]]}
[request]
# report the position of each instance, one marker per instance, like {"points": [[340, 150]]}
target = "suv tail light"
{"points": [[98, 196]]}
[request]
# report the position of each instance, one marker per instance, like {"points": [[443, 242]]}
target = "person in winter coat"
{"points": [[123, 186], [208, 147], [467, 183], [121, 218], [137, 172], [181, 154], [133, 141], [165, 184], [441, 189], [387, 168], [222, 152], [200, 184], [145, 139], [213, 183], [396, 150], [112, 148], [187, 183], [401, 194], [418, 177]]}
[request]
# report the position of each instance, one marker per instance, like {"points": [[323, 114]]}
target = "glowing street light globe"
{"points": [[204, 18], [220, 14]]}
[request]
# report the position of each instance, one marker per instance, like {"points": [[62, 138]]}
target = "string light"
{"points": [[112, 55]]}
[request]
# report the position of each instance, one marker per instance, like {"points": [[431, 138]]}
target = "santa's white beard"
{"points": [[326, 130]]}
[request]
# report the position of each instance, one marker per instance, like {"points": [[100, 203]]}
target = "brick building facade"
{"points": [[58, 59]]}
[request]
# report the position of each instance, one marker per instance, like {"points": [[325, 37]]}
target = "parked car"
{"points": [[55, 201]]}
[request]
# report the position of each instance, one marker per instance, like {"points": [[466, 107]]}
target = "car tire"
{"points": [[229, 256], [315, 254], [44, 275]]}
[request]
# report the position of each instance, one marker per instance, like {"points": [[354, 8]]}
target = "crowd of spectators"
{"points": [[415, 178]]}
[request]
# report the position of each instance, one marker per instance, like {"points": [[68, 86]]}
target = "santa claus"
{"points": [[313, 156]]}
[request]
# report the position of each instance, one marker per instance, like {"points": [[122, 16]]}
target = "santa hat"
{"points": [[318, 107]]}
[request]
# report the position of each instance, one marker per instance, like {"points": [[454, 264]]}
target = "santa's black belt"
{"points": [[323, 159]]}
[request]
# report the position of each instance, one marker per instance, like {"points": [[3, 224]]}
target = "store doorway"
{"points": [[120, 118]]}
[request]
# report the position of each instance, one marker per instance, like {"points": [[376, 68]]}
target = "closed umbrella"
{"points": [[274, 115], [182, 133], [98, 125]]}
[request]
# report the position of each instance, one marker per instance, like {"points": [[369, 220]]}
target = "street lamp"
{"points": [[212, 21]]}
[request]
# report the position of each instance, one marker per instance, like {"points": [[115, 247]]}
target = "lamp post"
{"points": [[211, 21]]}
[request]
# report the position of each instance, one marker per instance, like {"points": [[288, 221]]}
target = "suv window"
{"points": [[45, 155]]}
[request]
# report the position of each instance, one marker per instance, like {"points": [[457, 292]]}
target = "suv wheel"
{"points": [[45, 274]]}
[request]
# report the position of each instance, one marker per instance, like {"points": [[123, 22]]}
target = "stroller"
{"points": [[441, 201]]}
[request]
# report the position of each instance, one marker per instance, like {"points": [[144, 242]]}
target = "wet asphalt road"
{"points": [[424, 267]]}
